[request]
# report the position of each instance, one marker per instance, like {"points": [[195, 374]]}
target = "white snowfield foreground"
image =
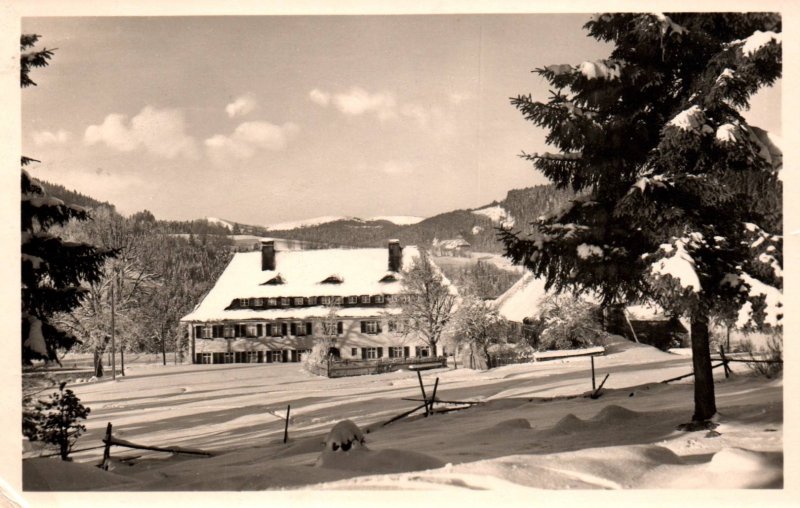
{"points": [[535, 428]]}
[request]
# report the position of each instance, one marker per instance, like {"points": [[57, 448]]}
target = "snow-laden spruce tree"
{"points": [[679, 199], [52, 269]]}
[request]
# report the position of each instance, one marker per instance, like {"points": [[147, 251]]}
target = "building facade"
{"points": [[273, 306]]}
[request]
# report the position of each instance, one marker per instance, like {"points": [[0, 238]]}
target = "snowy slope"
{"points": [[533, 429], [304, 223], [214, 220], [400, 220], [496, 214]]}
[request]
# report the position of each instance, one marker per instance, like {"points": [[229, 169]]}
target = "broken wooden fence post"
{"points": [[433, 397], [592, 358], [107, 451], [422, 387], [596, 393], [286, 427]]}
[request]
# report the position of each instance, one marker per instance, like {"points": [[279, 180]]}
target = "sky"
{"points": [[263, 119]]}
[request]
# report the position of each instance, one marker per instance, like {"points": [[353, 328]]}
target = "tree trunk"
{"points": [[704, 404], [163, 349]]}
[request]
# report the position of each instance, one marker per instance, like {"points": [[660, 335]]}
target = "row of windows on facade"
{"points": [[296, 329], [367, 353], [299, 301]]}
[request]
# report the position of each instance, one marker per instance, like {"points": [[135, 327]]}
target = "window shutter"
{"points": [[309, 328], [197, 332], [284, 329], [380, 329], [380, 352], [339, 328], [293, 328], [363, 327], [406, 352], [269, 330], [259, 330], [363, 353]]}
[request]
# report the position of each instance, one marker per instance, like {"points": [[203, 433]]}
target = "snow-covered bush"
{"points": [[772, 352], [54, 420], [565, 322]]}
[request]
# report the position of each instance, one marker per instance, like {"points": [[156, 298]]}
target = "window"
{"points": [[258, 302], [284, 329], [339, 328], [371, 327], [298, 302], [272, 302], [333, 279], [392, 325], [396, 352], [251, 331], [309, 328], [326, 300], [312, 300], [250, 357], [352, 300], [228, 358], [388, 278], [216, 331], [364, 298], [369, 353], [284, 302], [276, 356], [423, 351], [388, 299], [244, 302], [378, 298], [353, 351], [229, 331], [276, 329], [337, 300], [203, 358]]}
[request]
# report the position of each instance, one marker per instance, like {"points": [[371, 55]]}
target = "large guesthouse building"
{"points": [[272, 306]]}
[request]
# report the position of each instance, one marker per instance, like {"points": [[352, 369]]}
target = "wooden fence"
{"points": [[344, 368]]}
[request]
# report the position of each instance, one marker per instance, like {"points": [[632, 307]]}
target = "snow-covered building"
{"points": [[455, 247], [520, 303], [271, 306]]}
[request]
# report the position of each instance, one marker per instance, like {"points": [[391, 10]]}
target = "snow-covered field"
{"points": [[534, 428]]}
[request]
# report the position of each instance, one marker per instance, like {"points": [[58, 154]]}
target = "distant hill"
{"points": [[477, 226], [71, 196]]}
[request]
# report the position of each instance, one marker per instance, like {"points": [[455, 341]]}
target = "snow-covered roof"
{"points": [[522, 299], [302, 273]]}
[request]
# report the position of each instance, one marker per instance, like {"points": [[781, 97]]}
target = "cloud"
{"points": [[319, 97], [358, 101], [241, 106], [249, 138], [41, 138], [160, 132]]}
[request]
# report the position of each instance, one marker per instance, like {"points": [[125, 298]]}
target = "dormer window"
{"points": [[337, 300], [333, 279], [298, 301], [244, 302], [284, 302], [389, 278], [378, 298], [272, 302], [277, 280], [325, 300], [258, 302], [364, 298], [352, 300]]}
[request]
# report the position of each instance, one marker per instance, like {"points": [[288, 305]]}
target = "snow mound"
{"points": [[737, 459], [344, 436], [345, 450], [569, 424], [615, 414]]}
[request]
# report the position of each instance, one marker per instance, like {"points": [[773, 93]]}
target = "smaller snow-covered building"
{"points": [[271, 306], [455, 247], [520, 303]]}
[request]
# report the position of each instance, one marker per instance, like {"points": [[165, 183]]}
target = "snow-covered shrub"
{"points": [[773, 352], [318, 357], [54, 420], [566, 322]]}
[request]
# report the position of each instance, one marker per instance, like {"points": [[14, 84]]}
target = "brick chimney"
{"points": [[267, 255], [395, 256]]}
